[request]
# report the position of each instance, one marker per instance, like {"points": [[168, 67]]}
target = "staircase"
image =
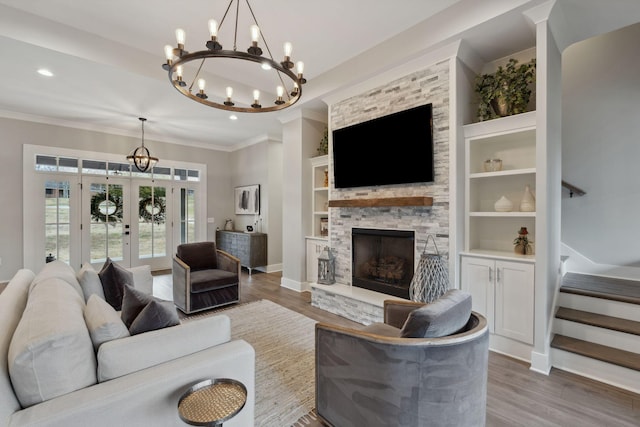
{"points": [[597, 329]]}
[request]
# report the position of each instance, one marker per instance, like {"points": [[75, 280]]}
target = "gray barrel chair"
{"points": [[377, 376], [204, 277]]}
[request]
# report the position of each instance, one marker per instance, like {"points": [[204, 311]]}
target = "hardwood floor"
{"points": [[516, 396]]}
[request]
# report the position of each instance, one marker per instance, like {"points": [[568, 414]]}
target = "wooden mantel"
{"points": [[382, 202]]}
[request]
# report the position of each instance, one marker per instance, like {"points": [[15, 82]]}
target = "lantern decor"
{"points": [[326, 267], [431, 279]]}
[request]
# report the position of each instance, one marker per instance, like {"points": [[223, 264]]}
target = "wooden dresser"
{"points": [[250, 248]]}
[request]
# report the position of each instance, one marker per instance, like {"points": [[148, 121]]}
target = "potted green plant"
{"points": [[323, 148], [507, 91]]}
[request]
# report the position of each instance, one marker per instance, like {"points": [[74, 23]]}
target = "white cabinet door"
{"points": [[514, 300], [502, 291], [477, 278]]}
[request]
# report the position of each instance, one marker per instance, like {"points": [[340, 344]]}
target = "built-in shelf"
{"points": [[503, 173], [382, 202]]}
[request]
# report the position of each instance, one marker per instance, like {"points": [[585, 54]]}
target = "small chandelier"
{"points": [[177, 57], [140, 157]]}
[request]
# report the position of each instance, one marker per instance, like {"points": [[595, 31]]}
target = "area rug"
{"points": [[284, 342]]}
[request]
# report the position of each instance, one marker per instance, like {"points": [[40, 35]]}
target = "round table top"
{"points": [[211, 402]]}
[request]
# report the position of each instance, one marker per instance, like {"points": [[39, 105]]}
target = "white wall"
{"points": [[601, 149], [15, 133], [261, 164]]}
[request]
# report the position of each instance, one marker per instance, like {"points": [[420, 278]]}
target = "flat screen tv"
{"points": [[393, 149]]}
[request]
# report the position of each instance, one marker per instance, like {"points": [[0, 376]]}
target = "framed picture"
{"points": [[247, 199]]}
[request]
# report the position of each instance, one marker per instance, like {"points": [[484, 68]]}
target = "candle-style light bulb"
{"points": [[168, 53], [279, 92], [180, 37], [286, 63], [300, 66], [255, 33], [229, 94], [213, 28], [201, 85], [256, 99], [179, 80]]}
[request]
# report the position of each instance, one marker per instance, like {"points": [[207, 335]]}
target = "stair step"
{"points": [[602, 287], [600, 352], [599, 320]]}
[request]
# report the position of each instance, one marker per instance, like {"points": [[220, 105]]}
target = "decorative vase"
{"points": [[326, 177], [503, 205], [528, 202]]}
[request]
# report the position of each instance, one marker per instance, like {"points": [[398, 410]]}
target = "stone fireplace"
{"points": [[347, 297], [382, 260]]}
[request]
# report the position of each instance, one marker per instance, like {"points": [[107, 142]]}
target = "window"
{"points": [[57, 220]]}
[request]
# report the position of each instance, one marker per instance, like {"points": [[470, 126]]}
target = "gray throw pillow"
{"points": [[142, 312], [133, 301], [155, 315], [444, 316], [113, 278]]}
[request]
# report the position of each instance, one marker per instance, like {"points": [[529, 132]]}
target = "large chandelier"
{"points": [[288, 91], [140, 157]]}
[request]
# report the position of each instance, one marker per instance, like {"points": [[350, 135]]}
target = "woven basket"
{"points": [[431, 279]]}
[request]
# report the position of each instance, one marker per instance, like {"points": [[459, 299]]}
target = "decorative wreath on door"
{"points": [[152, 210], [106, 210]]}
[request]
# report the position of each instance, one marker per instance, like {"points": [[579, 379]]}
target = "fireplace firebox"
{"points": [[383, 260]]}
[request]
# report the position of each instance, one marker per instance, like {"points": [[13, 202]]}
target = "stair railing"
{"points": [[573, 189]]}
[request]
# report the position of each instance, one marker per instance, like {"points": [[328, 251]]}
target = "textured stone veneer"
{"points": [[430, 85], [351, 308]]}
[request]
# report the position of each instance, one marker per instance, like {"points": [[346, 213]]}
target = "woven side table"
{"points": [[212, 402]]}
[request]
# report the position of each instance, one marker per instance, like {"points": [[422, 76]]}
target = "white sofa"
{"points": [[131, 381]]}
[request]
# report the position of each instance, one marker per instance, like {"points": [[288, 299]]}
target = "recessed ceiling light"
{"points": [[233, 117], [45, 72]]}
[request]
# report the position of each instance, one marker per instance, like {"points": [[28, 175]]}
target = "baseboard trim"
{"points": [[294, 285]]}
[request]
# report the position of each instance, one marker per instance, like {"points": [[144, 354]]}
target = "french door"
{"points": [[127, 221]]}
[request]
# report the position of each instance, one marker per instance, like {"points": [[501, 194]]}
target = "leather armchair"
{"points": [[375, 377], [204, 277]]}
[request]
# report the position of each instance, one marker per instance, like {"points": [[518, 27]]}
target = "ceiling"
{"points": [[106, 57]]}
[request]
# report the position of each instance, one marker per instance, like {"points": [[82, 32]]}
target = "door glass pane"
{"points": [[187, 215], [152, 224], [57, 219], [106, 228]]}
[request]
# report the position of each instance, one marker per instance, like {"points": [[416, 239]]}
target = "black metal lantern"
{"points": [[326, 267]]}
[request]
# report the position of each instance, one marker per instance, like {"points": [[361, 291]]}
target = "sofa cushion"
{"points": [[51, 353], [198, 256], [155, 315], [89, 281], [60, 270], [206, 280], [444, 316], [103, 322], [113, 278], [151, 349], [13, 301]]}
